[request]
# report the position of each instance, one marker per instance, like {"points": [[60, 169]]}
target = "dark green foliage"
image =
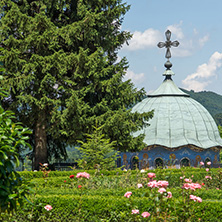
{"points": [[63, 75], [210, 100], [218, 119], [12, 138], [97, 152], [95, 208]]}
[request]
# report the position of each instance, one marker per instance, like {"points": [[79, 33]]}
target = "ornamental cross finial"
{"points": [[168, 44]]}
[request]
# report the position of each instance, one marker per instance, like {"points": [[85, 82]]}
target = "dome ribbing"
{"points": [[178, 120]]}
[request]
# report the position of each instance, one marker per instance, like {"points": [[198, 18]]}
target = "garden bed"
{"points": [[101, 196]]}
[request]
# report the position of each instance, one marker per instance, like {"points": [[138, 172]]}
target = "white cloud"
{"points": [[195, 31], [195, 85], [187, 45], [118, 59], [203, 40], [177, 30], [201, 78], [146, 39], [150, 38], [136, 78]]}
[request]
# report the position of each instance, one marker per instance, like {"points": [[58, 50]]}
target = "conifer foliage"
{"points": [[62, 72], [97, 151]]}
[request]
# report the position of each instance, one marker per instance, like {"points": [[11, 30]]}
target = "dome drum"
{"points": [[148, 158]]}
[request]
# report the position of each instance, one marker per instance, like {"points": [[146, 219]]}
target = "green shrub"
{"points": [[13, 136]]}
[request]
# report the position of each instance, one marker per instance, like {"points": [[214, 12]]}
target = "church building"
{"points": [[181, 133]]}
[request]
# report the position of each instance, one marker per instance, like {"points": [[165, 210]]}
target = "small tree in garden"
{"points": [[97, 151]]}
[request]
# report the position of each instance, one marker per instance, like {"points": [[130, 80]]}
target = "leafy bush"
{"points": [[12, 136]]}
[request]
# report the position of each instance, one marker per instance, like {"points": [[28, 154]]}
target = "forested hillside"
{"points": [[211, 101]]}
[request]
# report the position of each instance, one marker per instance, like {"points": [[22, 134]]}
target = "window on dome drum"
{"points": [[158, 162], [185, 162], [135, 162], [118, 162], [207, 160]]}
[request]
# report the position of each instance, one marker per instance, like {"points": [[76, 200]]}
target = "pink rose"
{"points": [[151, 175], [48, 207], [145, 214], [195, 198], [181, 178], [199, 199], [192, 186], [187, 180], [139, 185], [201, 163], [169, 195], [128, 194], [162, 190], [162, 183], [135, 212], [207, 169], [186, 186], [192, 197], [82, 174], [152, 184], [208, 177], [209, 163]]}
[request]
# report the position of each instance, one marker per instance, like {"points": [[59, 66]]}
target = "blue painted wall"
{"points": [[146, 159]]}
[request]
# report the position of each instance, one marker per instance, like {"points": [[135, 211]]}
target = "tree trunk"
{"points": [[40, 151]]}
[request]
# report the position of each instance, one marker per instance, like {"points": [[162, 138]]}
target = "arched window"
{"points": [[185, 162], [118, 161], [158, 162], [206, 161], [135, 162]]}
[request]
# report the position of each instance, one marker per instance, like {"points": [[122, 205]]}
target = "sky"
{"points": [[196, 24]]}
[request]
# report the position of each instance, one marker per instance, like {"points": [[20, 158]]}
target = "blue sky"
{"points": [[196, 24]]}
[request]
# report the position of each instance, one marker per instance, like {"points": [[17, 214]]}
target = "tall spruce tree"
{"points": [[62, 74]]}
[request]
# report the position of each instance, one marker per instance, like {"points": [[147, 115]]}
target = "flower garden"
{"points": [[187, 194]]}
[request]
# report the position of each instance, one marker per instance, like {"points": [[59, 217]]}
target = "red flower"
{"points": [[64, 181], [79, 186], [203, 184], [71, 176]]}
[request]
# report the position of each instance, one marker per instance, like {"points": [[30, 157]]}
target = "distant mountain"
{"points": [[211, 101]]}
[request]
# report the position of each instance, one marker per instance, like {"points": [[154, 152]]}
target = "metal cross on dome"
{"points": [[168, 44]]}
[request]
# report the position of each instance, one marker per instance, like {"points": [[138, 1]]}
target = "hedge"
{"points": [[101, 198], [97, 208]]}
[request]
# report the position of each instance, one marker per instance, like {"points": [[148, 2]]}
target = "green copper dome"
{"points": [[178, 119]]}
